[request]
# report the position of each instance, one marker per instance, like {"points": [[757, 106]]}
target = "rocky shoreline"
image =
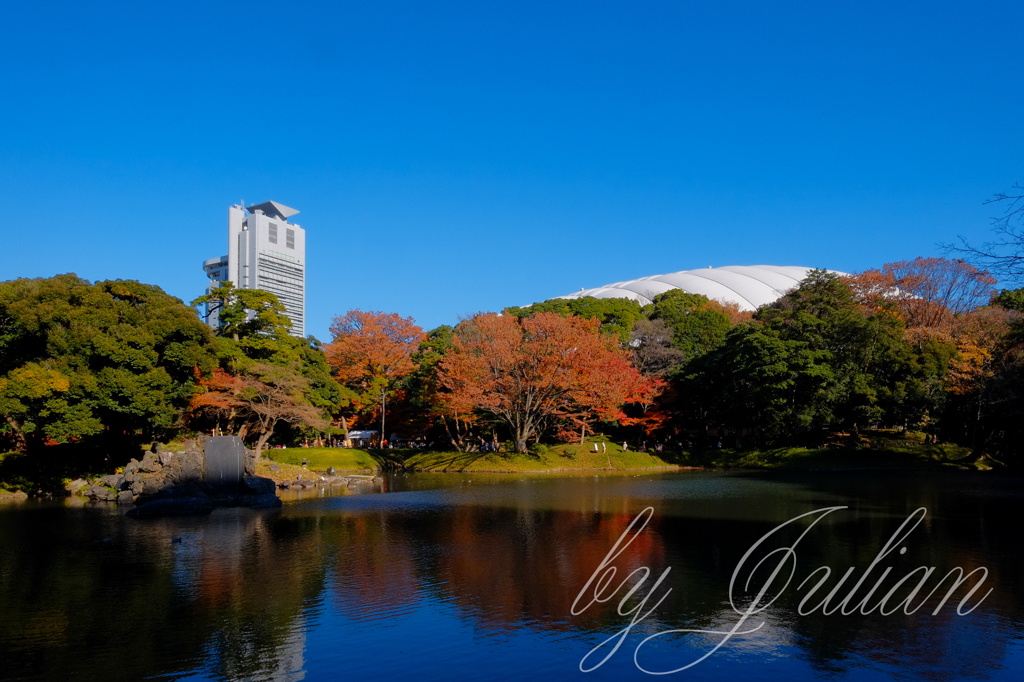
{"points": [[172, 483], [328, 479]]}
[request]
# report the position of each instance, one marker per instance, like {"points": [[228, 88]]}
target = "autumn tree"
{"points": [[652, 348], [371, 354], [426, 395], [926, 293], [536, 371], [216, 399], [272, 394]]}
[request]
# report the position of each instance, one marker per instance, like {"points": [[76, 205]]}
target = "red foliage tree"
{"points": [[926, 293], [372, 352], [534, 372], [216, 398]]}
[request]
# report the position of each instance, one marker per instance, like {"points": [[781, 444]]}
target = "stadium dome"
{"points": [[748, 286]]}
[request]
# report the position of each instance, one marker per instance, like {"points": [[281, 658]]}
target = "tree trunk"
{"points": [[264, 437], [19, 437], [448, 432], [520, 434]]}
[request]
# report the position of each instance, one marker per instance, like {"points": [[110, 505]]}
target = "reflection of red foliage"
{"points": [[540, 571], [374, 568]]}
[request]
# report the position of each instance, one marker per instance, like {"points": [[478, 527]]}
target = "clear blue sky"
{"points": [[449, 158]]}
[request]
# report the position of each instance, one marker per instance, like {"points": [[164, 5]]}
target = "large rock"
{"points": [[137, 487], [125, 497], [150, 464], [173, 506], [274, 467], [114, 481], [261, 486], [165, 458], [132, 467], [186, 467], [101, 493], [77, 485], [153, 483], [189, 445]]}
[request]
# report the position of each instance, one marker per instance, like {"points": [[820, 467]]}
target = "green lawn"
{"points": [[319, 459], [553, 458], [878, 450]]}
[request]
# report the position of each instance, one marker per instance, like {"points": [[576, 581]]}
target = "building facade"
{"points": [[266, 252]]}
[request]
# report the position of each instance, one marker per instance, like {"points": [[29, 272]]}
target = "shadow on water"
{"points": [[457, 571]]}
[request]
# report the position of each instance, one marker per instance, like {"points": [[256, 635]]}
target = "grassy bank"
{"points": [[876, 450], [554, 458], [319, 459]]}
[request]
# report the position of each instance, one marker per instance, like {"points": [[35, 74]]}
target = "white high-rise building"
{"points": [[265, 252]]}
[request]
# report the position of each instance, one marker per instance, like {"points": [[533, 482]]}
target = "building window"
{"points": [[273, 233], [289, 236]]}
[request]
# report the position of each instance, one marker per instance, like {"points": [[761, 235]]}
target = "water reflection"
{"points": [[451, 573]]}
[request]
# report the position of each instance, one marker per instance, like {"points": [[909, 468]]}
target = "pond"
{"points": [[459, 577]]}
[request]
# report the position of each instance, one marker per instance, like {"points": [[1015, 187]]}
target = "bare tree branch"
{"points": [[1003, 255]]}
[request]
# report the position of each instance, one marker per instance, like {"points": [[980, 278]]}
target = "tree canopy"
{"points": [[535, 371], [81, 360], [371, 354], [616, 315]]}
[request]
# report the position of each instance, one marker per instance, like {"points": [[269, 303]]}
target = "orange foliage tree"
{"points": [[372, 353], [927, 293], [256, 398], [216, 399], [534, 372]]}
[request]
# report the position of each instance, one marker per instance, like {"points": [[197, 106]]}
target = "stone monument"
{"points": [[225, 460]]}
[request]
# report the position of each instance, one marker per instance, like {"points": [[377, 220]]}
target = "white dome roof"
{"points": [[749, 286]]}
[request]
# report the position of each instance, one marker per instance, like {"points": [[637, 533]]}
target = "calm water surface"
{"points": [[458, 577]]}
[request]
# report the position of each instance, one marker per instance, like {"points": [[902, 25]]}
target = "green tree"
{"points": [[255, 346], [617, 315], [81, 361], [808, 363], [697, 324], [253, 318]]}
